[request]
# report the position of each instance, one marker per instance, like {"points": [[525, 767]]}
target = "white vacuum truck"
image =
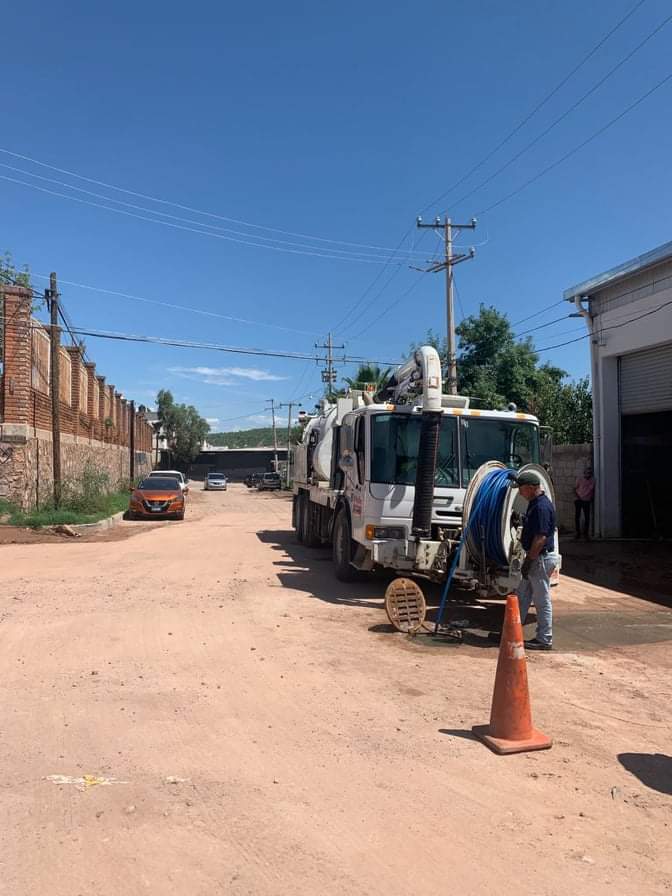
{"points": [[395, 480]]}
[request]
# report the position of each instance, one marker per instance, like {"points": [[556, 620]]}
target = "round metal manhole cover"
{"points": [[405, 605]]}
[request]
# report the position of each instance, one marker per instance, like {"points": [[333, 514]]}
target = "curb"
{"points": [[108, 523]]}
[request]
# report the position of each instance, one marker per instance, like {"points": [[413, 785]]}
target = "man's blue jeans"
{"points": [[536, 589]]}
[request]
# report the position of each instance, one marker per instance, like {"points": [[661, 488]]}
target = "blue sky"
{"points": [[334, 121]]}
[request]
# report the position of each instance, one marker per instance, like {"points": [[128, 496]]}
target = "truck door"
{"points": [[353, 465]]}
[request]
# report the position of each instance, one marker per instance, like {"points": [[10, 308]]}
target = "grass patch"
{"points": [[86, 500], [50, 516]]}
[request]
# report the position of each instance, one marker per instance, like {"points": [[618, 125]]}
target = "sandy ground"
{"points": [[266, 733]]}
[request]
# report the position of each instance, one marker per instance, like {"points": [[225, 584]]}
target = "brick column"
{"points": [[101, 407], [123, 410], [118, 418], [17, 355], [75, 377], [90, 411]]}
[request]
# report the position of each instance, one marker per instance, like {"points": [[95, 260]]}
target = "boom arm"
{"points": [[423, 369]]}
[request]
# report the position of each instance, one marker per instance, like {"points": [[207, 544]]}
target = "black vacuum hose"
{"points": [[425, 473]]}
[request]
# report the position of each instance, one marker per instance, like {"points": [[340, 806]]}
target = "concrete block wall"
{"points": [[569, 462]]}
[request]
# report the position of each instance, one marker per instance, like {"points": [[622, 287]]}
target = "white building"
{"points": [[628, 311]]}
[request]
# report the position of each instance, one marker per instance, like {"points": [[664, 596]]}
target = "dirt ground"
{"points": [[252, 726]]}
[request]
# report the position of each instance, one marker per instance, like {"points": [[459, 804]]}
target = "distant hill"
{"points": [[261, 437]]}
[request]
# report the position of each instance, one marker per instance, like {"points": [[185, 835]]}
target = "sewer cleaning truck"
{"points": [[416, 481]]}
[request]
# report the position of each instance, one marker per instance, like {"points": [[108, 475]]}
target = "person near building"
{"points": [[538, 540], [584, 490]]}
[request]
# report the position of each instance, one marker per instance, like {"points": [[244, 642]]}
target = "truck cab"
{"points": [[378, 458]]}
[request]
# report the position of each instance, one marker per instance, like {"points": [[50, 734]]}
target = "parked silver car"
{"points": [[214, 481]]}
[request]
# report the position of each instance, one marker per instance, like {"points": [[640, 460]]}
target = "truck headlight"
{"points": [[396, 532]]}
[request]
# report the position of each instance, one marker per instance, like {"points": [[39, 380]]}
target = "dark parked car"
{"points": [[269, 482], [252, 480]]}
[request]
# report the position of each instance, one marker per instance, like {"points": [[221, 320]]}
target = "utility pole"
{"points": [[447, 265], [329, 373], [51, 295], [289, 405], [275, 434]]}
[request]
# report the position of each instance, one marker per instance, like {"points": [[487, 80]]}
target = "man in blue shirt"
{"points": [[538, 540]]}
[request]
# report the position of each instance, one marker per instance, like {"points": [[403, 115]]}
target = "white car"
{"points": [[171, 474], [215, 481]]}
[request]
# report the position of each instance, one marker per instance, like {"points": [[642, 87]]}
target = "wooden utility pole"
{"points": [[55, 344], [447, 265]]}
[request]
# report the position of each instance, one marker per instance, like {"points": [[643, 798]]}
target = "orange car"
{"points": [[158, 498]]}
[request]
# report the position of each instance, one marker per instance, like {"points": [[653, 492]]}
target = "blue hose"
{"points": [[485, 520]]}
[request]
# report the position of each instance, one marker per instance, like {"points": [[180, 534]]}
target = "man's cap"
{"points": [[528, 477]]}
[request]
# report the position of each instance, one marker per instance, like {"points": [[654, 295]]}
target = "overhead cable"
{"points": [[184, 227], [191, 309], [564, 115], [537, 108], [188, 208], [579, 147]]}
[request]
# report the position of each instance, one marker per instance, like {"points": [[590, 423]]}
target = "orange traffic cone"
{"points": [[510, 729]]}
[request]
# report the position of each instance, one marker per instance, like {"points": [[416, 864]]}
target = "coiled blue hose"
{"points": [[484, 526]]}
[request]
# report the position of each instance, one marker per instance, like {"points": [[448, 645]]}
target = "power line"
{"points": [[624, 323], [214, 346], [368, 289], [537, 108], [579, 147], [564, 115], [189, 308], [530, 316], [184, 227], [541, 326], [346, 253], [187, 208]]}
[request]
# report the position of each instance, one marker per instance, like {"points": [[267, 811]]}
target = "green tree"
{"points": [[10, 274], [183, 426], [367, 374]]}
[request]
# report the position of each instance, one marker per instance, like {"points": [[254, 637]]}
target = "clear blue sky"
{"points": [[339, 121]]}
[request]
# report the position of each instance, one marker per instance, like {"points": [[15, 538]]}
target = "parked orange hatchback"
{"points": [[157, 498]]}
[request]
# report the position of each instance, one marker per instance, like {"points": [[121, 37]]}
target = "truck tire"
{"points": [[342, 548], [311, 531]]}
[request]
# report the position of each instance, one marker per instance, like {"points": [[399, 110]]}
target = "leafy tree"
{"points": [[10, 274], [366, 375], [494, 369], [183, 426]]}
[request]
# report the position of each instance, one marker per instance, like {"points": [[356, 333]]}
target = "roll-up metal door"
{"points": [[645, 380]]}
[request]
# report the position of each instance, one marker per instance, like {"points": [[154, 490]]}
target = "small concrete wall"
{"points": [[569, 462]]}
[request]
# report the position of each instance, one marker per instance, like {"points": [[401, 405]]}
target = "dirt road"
{"points": [[263, 732]]}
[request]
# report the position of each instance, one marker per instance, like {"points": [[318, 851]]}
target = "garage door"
{"points": [[645, 381]]}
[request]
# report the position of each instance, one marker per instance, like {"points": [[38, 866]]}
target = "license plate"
{"points": [[156, 509]]}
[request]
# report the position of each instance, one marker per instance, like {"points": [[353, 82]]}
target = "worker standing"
{"points": [[538, 540], [584, 489]]}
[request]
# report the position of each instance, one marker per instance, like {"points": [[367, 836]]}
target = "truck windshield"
{"points": [[511, 442], [394, 456]]}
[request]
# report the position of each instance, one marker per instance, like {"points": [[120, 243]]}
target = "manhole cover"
{"points": [[405, 605]]}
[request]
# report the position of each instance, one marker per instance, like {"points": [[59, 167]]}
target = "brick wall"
{"points": [[95, 419], [569, 462]]}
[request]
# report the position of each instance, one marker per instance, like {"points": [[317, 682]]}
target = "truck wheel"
{"points": [[311, 532], [342, 548]]}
